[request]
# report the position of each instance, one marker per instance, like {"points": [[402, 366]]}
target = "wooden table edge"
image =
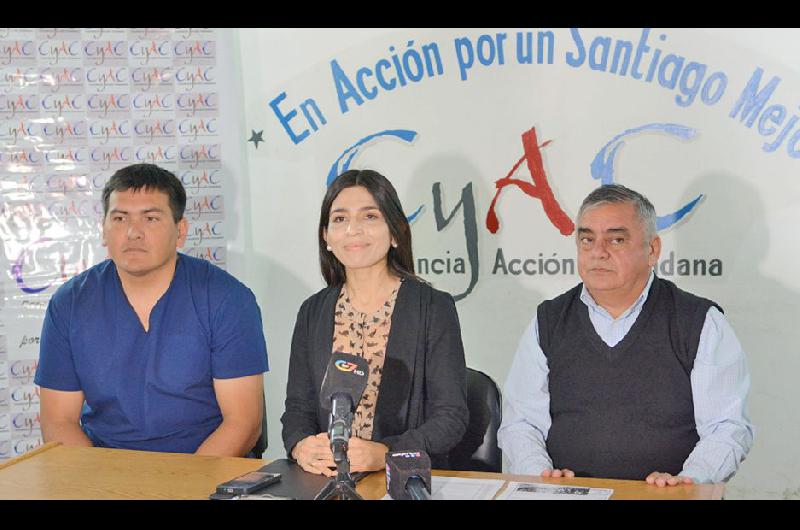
{"points": [[717, 490], [29, 454]]}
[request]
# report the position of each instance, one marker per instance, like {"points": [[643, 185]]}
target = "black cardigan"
{"points": [[422, 403]]}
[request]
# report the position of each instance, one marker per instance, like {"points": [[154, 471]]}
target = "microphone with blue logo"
{"points": [[344, 382], [342, 387]]}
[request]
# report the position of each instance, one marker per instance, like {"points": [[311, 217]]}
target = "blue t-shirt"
{"points": [[153, 390]]}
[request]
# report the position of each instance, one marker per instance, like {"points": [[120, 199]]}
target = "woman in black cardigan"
{"points": [[376, 308]]}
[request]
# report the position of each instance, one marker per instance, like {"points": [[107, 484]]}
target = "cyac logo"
{"points": [[145, 78], [538, 187], [111, 103], [193, 181], [191, 76], [100, 51], [149, 103], [18, 78], [55, 255], [147, 51], [215, 255], [56, 50], [64, 131], [194, 103], [602, 169], [62, 103], [16, 50], [194, 49]]}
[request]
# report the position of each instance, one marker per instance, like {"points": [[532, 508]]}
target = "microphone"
{"points": [[344, 382], [408, 476]]}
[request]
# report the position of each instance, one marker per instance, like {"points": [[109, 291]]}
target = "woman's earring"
{"points": [[329, 248], [394, 244]]}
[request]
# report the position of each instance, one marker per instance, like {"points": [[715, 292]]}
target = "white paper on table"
{"points": [[463, 489], [531, 491]]}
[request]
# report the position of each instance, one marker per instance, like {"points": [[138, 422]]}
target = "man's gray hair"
{"points": [[617, 193]]}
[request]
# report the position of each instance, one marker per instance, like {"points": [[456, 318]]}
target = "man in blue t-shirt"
{"points": [[152, 350]]}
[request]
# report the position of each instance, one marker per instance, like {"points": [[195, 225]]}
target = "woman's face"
{"points": [[357, 231]]}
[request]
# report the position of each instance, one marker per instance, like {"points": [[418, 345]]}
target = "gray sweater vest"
{"points": [[626, 411]]}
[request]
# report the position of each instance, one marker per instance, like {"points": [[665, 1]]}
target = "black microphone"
{"points": [[408, 475], [344, 382]]}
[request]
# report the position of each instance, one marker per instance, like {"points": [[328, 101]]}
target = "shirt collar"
{"points": [[587, 299]]}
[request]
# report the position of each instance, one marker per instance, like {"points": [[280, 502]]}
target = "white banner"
{"points": [[494, 137]]}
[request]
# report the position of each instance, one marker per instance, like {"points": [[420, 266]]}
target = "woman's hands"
{"points": [[366, 456], [314, 455]]}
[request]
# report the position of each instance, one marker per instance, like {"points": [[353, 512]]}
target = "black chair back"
{"points": [[478, 450]]}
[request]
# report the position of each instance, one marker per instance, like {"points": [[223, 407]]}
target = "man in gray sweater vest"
{"points": [[626, 376]]}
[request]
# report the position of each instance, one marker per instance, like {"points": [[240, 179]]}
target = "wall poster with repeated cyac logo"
{"points": [[75, 106]]}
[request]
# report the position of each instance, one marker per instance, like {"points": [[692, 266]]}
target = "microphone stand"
{"points": [[342, 487]]}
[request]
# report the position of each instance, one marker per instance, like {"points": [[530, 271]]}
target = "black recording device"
{"points": [[344, 382], [408, 475], [248, 483]]}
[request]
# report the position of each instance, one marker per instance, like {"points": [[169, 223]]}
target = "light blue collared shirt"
{"points": [[720, 382]]}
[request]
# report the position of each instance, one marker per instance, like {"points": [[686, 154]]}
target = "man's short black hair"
{"points": [[149, 177]]}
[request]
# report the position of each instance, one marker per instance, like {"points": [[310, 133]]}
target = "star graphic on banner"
{"points": [[256, 137]]}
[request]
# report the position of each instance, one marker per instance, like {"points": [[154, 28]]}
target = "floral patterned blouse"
{"points": [[366, 336]]}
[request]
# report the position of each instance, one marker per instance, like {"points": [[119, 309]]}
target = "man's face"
{"points": [[613, 256], [139, 231]]}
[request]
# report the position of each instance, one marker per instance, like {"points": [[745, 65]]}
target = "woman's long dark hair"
{"points": [[400, 260]]}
